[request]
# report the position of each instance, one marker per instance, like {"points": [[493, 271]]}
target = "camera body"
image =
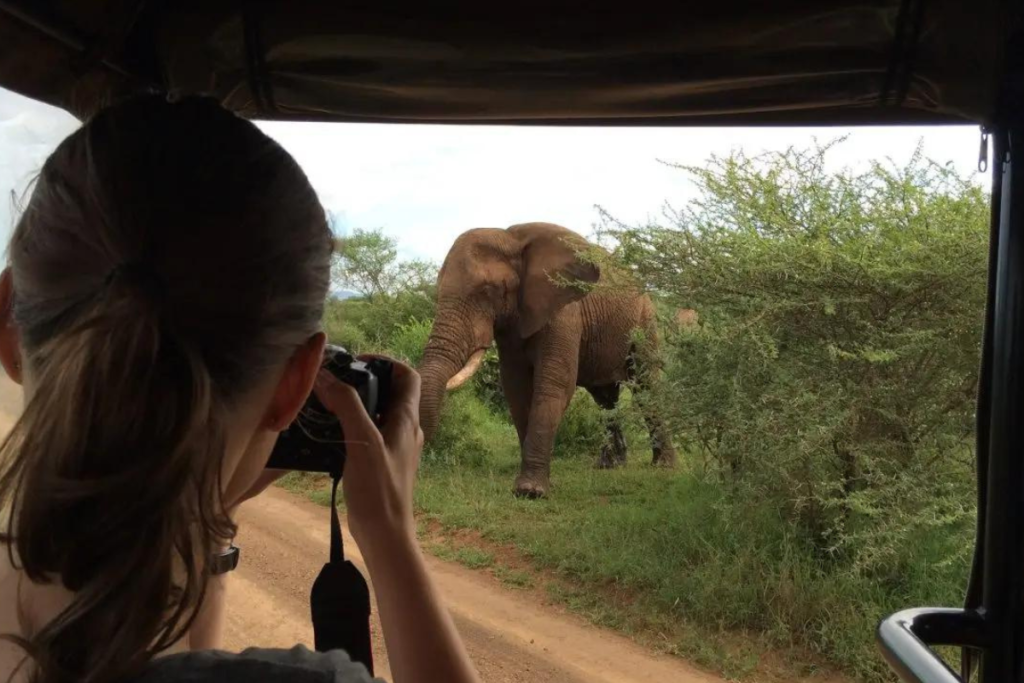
{"points": [[315, 441]]}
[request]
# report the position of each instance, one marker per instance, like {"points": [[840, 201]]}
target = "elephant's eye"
{"points": [[495, 291]]}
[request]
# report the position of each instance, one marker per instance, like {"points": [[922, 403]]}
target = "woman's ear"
{"points": [[10, 340], [552, 273], [295, 384]]}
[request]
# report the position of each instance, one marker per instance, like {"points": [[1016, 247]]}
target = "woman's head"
{"points": [[167, 276]]}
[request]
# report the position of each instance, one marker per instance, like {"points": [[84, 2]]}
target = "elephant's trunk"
{"points": [[435, 371], [453, 353]]}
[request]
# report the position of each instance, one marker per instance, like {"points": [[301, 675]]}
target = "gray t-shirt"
{"points": [[297, 665]]}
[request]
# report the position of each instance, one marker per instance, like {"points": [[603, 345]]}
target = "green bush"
{"points": [[487, 383], [409, 340], [374, 327], [832, 377], [469, 433], [391, 295], [583, 430], [342, 325], [384, 319]]}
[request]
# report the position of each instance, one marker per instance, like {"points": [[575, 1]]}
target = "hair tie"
{"points": [[139, 275]]}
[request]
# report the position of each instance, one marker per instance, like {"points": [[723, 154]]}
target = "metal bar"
{"points": [[983, 415], [904, 639], [996, 627], [1002, 600], [61, 34]]}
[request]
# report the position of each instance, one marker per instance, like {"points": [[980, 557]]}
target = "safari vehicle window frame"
{"points": [[915, 61]]}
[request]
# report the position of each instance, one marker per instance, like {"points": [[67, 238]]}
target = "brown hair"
{"points": [[170, 253]]}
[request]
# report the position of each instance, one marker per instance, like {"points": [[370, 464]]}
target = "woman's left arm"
{"points": [[267, 477], [207, 632]]}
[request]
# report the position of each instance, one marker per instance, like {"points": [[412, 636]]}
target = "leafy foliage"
{"points": [[398, 299], [367, 262], [836, 367]]}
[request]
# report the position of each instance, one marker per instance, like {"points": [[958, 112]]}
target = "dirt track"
{"points": [[284, 542]]}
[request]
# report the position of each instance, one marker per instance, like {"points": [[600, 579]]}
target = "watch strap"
{"points": [[225, 561]]}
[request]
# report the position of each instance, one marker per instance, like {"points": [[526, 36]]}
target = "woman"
{"points": [[162, 310]]}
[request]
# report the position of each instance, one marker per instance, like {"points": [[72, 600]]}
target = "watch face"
{"points": [[226, 561]]}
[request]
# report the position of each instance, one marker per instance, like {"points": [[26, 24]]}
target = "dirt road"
{"points": [[511, 638]]}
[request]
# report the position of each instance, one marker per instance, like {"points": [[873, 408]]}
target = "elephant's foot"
{"points": [[610, 460], [531, 487], [613, 452], [665, 457]]}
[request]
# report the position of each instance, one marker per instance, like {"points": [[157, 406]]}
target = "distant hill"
{"points": [[343, 294], [338, 222]]}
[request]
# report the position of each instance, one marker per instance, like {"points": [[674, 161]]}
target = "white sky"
{"points": [[427, 184]]}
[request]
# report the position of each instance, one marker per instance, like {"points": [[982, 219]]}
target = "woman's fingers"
{"points": [[402, 413], [405, 382], [404, 405], [343, 400]]}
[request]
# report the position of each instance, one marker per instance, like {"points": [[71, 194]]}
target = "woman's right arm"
{"points": [[422, 642], [380, 472]]}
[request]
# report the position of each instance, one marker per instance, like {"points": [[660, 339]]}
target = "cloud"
{"points": [[425, 185], [29, 132]]}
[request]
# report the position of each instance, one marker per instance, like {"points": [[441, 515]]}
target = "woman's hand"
{"points": [[380, 469], [421, 639]]}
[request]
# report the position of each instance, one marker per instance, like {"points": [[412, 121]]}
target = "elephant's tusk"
{"points": [[471, 366]]}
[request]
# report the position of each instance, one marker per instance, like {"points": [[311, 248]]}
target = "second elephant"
{"points": [[514, 287]]}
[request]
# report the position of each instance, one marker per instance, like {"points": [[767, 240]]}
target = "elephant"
{"points": [[525, 288]]}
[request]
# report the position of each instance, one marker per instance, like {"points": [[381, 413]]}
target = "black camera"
{"points": [[315, 442]]}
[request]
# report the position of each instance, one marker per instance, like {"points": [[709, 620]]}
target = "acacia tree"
{"points": [[394, 294], [367, 262], [834, 367]]}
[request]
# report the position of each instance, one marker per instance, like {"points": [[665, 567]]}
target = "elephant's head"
{"points": [[511, 281]]}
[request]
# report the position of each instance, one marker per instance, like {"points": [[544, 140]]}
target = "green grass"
{"points": [[681, 554], [513, 578], [316, 487], [466, 555]]}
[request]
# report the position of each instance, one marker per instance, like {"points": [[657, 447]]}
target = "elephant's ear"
{"points": [[552, 273]]}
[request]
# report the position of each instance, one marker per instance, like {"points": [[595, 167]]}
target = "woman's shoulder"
{"points": [[297, 665]]}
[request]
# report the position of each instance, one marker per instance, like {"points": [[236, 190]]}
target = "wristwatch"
{"points": [[225, 561]]}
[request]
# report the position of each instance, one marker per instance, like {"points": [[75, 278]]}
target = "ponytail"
{"points": [[157, 279], [117, 457]]}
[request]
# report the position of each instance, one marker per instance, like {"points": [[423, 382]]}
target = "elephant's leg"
{"points": [[661, 442], [644, 368], [517, 385], [613, 452], [554, 380], [546, 414], [664, 453]]}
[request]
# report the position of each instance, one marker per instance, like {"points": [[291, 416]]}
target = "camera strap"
{"points": [[340, 599], [337, 543]]}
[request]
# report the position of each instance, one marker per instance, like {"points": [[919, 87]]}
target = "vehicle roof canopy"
{"points": [[745, 62]]}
